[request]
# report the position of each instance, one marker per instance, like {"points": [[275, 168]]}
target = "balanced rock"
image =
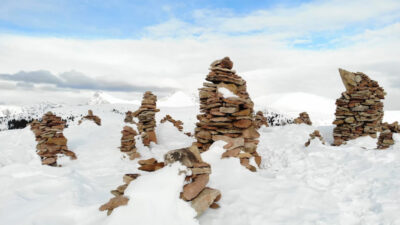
{"points": [[146, 115], [303, 118], [51, 141], [359, 110], [260, 120], [226, 109]]}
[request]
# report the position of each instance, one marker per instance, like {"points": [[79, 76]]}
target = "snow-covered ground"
{"points": [[321, 184]]}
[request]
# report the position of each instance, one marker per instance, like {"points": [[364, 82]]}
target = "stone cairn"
{"points": [[128, 143], [50, 138], [359, 110], [303, 118], [229, 118], [260, 120], [146, 115], [385, 139], [313, 135], [196, 191], [129, 118], [177, 123], [91, 117]]}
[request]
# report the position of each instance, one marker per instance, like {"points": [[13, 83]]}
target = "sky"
{"points": [[65, 50]]}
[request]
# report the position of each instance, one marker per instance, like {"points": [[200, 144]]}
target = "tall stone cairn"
{"points": [[229, 118], [359, 109], [50, 138], [128, 143], [146, 115]]}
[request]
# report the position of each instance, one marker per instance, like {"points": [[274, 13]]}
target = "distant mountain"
{"points": [[177, 99], [100, 98]]}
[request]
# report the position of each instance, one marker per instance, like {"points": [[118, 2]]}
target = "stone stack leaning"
{"points": [[226, 112], [146, 115], [303, 118], [177, 123], [51, 141], [359, 110], [385, 139], [128, 143]]}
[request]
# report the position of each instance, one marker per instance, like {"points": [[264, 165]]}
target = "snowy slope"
{"points": [[352, 184], [100, 97]]}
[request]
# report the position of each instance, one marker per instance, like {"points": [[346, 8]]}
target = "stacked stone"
{"points": [[359, 110], [385, 139], [177, 123], [228, 115], [196, 190], [313, 135], [119, 198], [129, 117], [260, 120], [150, 165], [303, 118], [50, 138], [128, 143], [91, 117], [146, 115]]}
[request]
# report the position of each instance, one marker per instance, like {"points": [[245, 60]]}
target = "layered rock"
{"points": [[303, 118], [226, 111], [177, 123], [385, 139], [359, 110], [260, 120], [128, 143], [313, 135], [50, 138], [146, 115], [150, 165], [129, 117], [196, 190], [91, 117]]}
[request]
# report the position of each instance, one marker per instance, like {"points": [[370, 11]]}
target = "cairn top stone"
{"points": [[225, 63]]}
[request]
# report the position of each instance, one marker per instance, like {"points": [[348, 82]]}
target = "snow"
{"points": [[100, 97], [226, 93], [320, 184], [178, 99]]}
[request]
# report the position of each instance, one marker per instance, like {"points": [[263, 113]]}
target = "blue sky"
{"points": [[113, 18]]}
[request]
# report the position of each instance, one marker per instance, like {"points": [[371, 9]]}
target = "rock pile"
{"points": [[150, 165], [227, 111], [129, 118], [313, 135], [177, 123], [260, 120], [128, 143], [119, 199], [146, 115], [303, 118], [196, 191], [359, 110], [385, 139], [91, 117], [50, 138]]}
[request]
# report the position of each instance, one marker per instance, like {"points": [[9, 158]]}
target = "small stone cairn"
{"points": [[177, 123], [91, 117], [128, 143], [303, 118], [50, 138], [146, 115], [359, 110], [313, 135], [196, 191], [129, 118], [385, 139], [260, 120], [228, 117]]}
